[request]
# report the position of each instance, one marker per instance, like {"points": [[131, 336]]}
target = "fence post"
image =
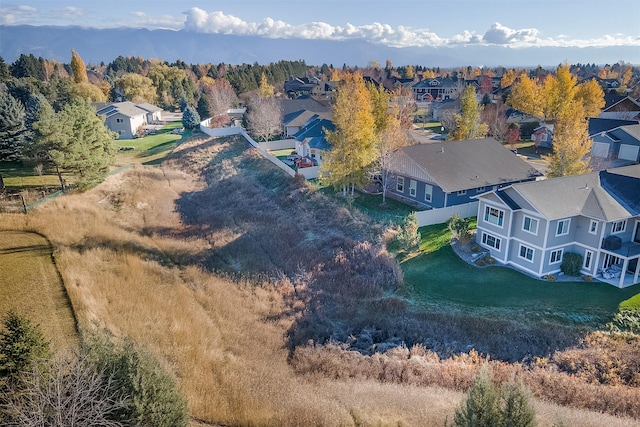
{"points": [[24, 204]]}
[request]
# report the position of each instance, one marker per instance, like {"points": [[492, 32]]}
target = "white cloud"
{"points": [[165, 22], [499, 34], [71, 12], [15, 15], [218, 22]]}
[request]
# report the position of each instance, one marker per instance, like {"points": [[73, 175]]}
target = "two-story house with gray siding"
{"points": [[530, 226]]}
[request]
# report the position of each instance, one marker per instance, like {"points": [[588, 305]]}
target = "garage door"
{"points": [[600, 149], [628, 152]]}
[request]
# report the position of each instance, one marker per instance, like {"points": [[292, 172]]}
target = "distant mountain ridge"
{"points": [[96, 45]]}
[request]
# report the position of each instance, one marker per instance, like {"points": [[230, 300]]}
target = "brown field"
{"points": [[229, 279]]}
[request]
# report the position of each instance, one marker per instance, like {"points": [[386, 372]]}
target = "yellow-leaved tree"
{"points": [[266, 90], [591, 96], [558, 91], [525, 96], [468, 124], [352, 140], [571, 143], [78, 68]]}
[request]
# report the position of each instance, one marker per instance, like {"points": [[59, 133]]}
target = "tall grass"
{"points": [[226, 284]]}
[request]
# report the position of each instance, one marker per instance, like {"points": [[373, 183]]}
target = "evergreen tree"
{"points": [[190, 118], [76, 140], [21, 346], [204, 109], [12, 127], [4, 71], [481, 408], [516, 409]]}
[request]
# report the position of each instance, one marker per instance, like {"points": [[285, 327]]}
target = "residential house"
{"points": [[311, 139], [614, 138], [444, 174], [542, 136], [436, 89], [126, 118], [528, 123], [441, 109], [154, 114], [532, 225], [620, 107]]}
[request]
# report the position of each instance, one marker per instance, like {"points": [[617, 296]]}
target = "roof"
{"points": [[611, 99], [597, 125], [462, 165], [315, 129], [608, 195], [126, 108], [149, 107], [304, 103], [301, 117]]}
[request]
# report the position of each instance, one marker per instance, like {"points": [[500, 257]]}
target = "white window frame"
{"points": [[497, 242], [400, 184], [593, 227], [527, 251], [555, 256], [428, 192], [413, 187], [619, 226], [565, 230], [499, 219], [531, 221], [461, 192], [588, 259]]}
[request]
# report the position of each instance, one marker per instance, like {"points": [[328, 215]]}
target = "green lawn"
{"points": [[151, 149], [19, 175], [438, 278]]}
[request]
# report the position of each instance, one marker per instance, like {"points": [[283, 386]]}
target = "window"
{"points": [[493, 216], [412, 187], [593, 227], [526, 253], [588, 257], [543, 137], [118, 120], [428, 192], [400, 184], [530, 224], [556, 256], [490, 240], [480, 190], [563, 227], [461, 192], [619, 226]]}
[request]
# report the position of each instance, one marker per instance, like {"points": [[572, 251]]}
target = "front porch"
{"points": [[620, 267]]}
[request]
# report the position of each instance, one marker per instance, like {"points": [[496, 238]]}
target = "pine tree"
{"points": [[516, 409], [481, 408], [76, 140], [78, 68], [12, 127], [190, 118]]}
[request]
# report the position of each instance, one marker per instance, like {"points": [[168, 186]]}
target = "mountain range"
{"points": [[104, 45]]}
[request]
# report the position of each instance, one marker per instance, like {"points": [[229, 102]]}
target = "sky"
{"points": [[399, 23]]}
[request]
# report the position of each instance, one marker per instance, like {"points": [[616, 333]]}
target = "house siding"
{"points": [[517, 231]]}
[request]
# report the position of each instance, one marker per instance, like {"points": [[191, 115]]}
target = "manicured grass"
{"points": [[30, 285], [151, 149], [283, 153], [438, 278], [20, 175], [526, 148], [632, 304]]}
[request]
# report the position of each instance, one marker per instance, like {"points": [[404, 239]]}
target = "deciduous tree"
{"points": [[352, 141], [468, 124], [525, 96], [221, 96], [571, 143], [136, 88], [264, 117], [591, 96], [78, 68], [266, 90]]}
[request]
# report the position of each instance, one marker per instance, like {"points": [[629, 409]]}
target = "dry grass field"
{"points": [[214, 262]]}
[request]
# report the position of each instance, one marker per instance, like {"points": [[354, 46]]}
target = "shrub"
{"points": [[571, 264], [476, 249], [154, 398], [486, 406], [21, 346], [549, 277], [409, 237], [490, 260], [481, 263], [459, 227]]}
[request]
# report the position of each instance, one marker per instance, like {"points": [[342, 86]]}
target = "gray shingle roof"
{"points": [[579, 195], [461, 165], [126, 108]]}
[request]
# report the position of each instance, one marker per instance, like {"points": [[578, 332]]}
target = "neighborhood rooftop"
{"points": [[460, 165]]}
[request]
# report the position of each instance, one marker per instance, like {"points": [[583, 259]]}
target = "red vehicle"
{"points": [[303, 162]]}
